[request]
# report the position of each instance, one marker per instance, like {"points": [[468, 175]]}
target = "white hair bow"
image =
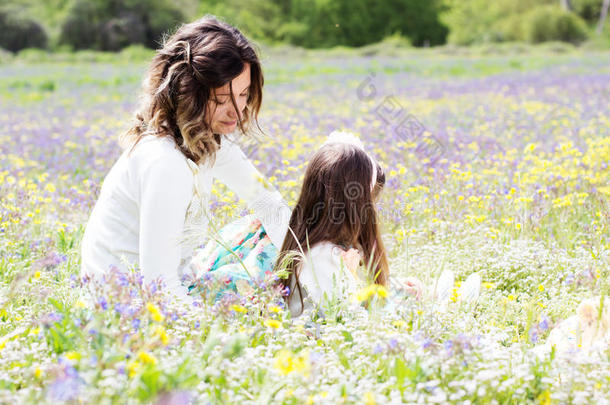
{"points": [[351, 139]]}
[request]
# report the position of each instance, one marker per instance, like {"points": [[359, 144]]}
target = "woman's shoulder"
{"points": [[155, 145], [155, 151]]}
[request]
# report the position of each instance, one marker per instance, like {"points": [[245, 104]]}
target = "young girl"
{"points": [[335, 225], [205, 82]]}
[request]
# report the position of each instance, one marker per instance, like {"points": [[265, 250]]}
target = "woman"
{"points": [[202, 85]]}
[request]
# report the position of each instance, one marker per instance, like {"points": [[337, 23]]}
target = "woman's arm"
{"points": [[233, 168], [166, 187]]}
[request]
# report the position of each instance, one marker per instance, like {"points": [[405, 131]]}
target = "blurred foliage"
{"points": [[19, 32], [480, 21], [589, 10], [111, 25], [326, 23], [549, 23]]}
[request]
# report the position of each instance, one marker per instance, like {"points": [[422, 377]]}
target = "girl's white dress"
{"points": [[324, 275], [153, 209]]}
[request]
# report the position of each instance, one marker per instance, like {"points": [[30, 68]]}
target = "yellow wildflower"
{"points": [[381, 291], [155, 312], [272, 323], [72, 355], [399, 323], [455, 294], [544, 398], [147, 358], [133, 368], [238, 308], [370, 291], [160, 331], [286, 362]]}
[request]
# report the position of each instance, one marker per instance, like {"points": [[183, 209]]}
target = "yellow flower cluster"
{"points": [[286, 362], [371, 291], [155, 313]]}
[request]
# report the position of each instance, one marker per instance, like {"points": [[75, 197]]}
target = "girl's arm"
{"points": [[166, 187], [233, 168]]}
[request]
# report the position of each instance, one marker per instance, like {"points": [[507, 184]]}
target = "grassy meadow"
{"points": [[496, 162]]}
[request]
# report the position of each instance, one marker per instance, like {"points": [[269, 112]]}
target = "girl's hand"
{"points": [[351, 259], [414, 287]]}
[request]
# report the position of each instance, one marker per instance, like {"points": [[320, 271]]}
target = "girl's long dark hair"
{"points": [[336, 205]]}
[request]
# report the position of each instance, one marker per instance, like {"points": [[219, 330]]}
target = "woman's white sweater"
{"points": [[153, 209]]}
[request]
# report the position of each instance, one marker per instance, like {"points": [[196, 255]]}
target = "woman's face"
{"points": [[220, 108]]}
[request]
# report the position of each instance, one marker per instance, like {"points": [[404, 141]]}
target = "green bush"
{"points": [[331, 23], [110, 25], [511, 28], [20, 33], [551, 23], [160, 17], [389, 46], [5, 56], [589, 10], [80, 29]]}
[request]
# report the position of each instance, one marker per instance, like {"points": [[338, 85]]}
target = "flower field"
{"points": [[494, 164]]}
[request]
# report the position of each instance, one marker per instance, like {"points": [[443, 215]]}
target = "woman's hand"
{"points": [[414, 287]]}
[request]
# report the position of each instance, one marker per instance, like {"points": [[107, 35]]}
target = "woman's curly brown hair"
{"points": [[199, 57]]}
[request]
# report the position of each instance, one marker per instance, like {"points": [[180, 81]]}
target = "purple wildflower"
{"points": [[544, 324], [103, 303], [122, 280], [65, 388], [534, 335]]}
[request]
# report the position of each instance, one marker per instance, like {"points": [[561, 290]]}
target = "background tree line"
{"points": [[114, 24]]}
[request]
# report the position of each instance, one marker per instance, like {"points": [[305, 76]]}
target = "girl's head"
{"points": [[205, 81], [337, 204]]}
